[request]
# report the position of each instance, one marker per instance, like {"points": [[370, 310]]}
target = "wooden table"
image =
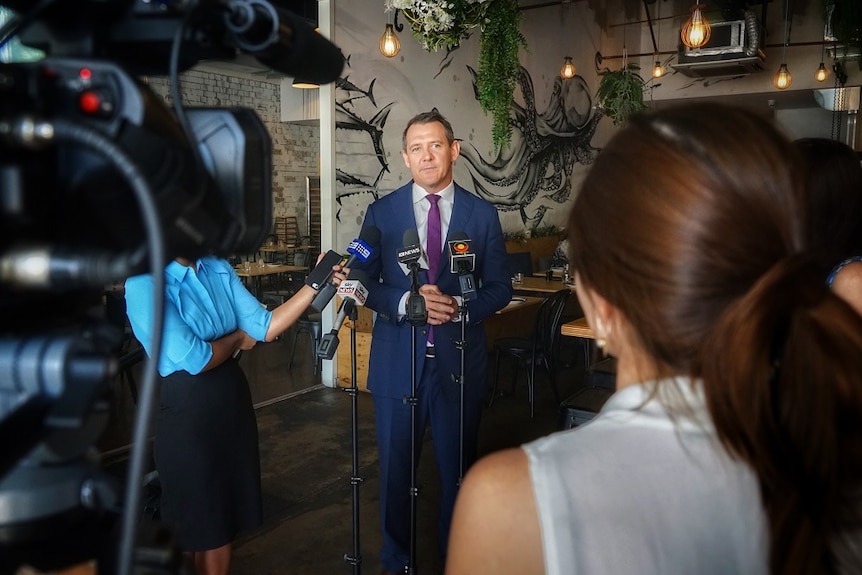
{"points": [[540, 286], [577, 328], [257, 271]]}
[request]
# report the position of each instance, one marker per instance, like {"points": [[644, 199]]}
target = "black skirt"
{"points": [[206, 453]]}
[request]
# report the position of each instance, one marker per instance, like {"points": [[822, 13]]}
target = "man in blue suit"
{"points": [[430, 150]]}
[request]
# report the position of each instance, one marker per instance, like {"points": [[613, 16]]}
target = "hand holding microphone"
{"points": [[354, 294], [359, 250]]}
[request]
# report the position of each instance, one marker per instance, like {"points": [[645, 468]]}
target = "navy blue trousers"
{"points": [[441, 408]]}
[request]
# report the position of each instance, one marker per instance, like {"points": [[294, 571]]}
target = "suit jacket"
{"points": [[389, 372]]}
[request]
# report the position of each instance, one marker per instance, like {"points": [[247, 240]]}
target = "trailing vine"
{"points": [[499, 66]]}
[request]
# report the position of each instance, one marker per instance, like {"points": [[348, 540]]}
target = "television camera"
{"points": [[100, 180]]}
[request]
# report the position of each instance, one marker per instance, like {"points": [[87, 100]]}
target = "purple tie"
{"points": [[433, 241], [432, 245]]}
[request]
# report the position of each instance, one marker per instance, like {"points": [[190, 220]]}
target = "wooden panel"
{"points": [[364, 323], [363, 351]]}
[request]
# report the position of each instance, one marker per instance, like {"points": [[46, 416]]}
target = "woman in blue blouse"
{"points": [[206, 447]]}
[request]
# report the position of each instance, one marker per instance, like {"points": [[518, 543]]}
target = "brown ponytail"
{"points": [[691, 223], [782, 371]]}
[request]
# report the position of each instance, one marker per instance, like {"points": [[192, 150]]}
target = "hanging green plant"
{"points": [[444, 24], [499, 66], [621, 92]]}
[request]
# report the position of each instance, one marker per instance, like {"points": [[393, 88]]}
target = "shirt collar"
{"points": [[178, 271], [447, 193]]}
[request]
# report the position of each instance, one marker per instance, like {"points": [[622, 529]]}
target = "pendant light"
{"points": [[657, 70], [304, 84], [568, 70], [696, 30], [389, 44], [783, 79], [822, 73]]}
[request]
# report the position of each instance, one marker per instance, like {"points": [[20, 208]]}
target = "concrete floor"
{"points": [[306, 463]]}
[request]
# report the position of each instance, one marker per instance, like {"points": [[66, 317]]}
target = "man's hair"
{"points": [[428, 118]]}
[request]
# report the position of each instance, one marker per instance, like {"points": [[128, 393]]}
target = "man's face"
{"points": [[429, 156]]}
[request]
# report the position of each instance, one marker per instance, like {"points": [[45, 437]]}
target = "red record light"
{"points": [[90, 102], [85, 74]]}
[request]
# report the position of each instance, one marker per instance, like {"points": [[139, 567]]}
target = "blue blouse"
{"points": [[200, 307]]}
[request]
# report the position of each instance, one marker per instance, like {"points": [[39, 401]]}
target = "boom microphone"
{"points": [[283, 41], [360, 250], [354, 294]]}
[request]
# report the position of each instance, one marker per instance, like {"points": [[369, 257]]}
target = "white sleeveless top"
{"points": [[634, 492]]}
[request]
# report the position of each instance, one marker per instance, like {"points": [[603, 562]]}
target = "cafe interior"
{"points": [[336, 148]]}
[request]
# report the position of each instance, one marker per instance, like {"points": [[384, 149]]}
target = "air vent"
{"points": [[733, 50]]}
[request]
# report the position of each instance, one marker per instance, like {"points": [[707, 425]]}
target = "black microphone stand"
{"points": [[417, 315], [460, 379], [354, 560]]}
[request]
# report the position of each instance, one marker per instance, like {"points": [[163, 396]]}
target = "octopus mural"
{"points": [[532, 174], [543, 150], [347, 118]]}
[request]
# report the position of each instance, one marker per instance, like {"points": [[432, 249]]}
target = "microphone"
{"points": [[462, 261], [461, 258], [354, 294], [283, 41], [411, 251], [409, 254], [360, 250]]}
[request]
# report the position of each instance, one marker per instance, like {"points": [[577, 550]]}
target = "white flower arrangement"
{"points": [[441, 23]]}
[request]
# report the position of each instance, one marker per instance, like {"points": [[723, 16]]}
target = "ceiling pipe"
{"points": [[651, 32]]}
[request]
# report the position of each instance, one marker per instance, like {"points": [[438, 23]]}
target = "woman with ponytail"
{"points": [[733, 443]]}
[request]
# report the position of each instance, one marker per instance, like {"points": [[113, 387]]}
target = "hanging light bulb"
{"points": [[657, 70], [696, 30], [783, 79], [389, 44], [822, 73], [568, 70]]}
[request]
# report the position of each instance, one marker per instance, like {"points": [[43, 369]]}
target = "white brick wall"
{"points": [[295, 147]]}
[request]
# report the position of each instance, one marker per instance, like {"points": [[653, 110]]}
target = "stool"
{"points": [[311, 324]]}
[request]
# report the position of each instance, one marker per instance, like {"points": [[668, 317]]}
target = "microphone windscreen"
{"points": [[302, 52], [370, 234], [411, 237], [458, 236]]}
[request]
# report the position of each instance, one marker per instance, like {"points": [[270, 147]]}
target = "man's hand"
{"points": [[441, 307]]}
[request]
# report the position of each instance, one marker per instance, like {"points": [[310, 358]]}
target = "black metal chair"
{"points": [[542, 348], [312, 324]]}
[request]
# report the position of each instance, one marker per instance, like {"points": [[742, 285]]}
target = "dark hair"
{"points": [[833, 199], [428, 118], [699, 241]]}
